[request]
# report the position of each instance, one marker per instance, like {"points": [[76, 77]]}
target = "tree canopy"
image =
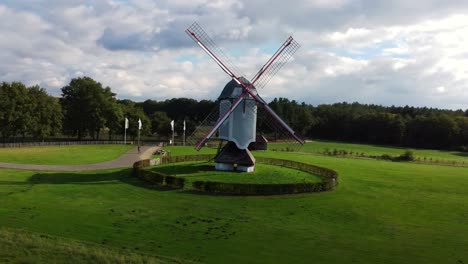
{"points": [[86, 109]]}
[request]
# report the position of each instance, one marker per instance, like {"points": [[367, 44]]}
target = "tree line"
{"points": [[363, 123], [88, 110]]}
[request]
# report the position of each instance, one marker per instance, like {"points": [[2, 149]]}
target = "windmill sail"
{"points": [[210, 126], [275, 63]]}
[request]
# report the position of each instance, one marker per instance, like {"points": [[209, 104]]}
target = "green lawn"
{"points": [[375, 150], [63, 155], [19, 246], [204, 171], [381, 212]]}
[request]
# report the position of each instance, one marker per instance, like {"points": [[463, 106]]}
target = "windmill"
{"points": [[235, 119]]}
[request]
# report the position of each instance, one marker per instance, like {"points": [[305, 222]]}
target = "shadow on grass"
{"points": [[461, 154], [14, 183], [98, 178]]}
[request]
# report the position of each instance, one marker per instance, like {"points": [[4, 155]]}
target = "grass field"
{"points": [[203, 171], [19, 246], [376, 150], [63, 155], [382, 212]]}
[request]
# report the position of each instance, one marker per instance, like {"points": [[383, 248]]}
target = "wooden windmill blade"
{"points": [[280, 123], [197, 34], [263, 76], [211, 131], [275, 63], [273, 132], [249, 91], [209, 46]]}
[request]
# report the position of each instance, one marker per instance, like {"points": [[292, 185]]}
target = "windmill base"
{"points": [[231, 158], [232, 167]]}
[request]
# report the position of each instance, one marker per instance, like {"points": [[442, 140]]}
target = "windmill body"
{"points": [[239, 129], [238, 105], [240, 126]]}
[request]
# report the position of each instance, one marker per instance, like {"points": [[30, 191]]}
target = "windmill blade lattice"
{"points": [[279, 138], [199, 35], [277, 135], [203, 128], [238, 124], [274, 64]]}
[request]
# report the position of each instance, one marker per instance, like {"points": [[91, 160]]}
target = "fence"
{"points": [[69, 143], [329, 178]]}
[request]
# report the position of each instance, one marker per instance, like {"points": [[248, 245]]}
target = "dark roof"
{"points": [[230, 86]]}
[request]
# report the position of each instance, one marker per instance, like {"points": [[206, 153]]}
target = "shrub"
{"points": [[386, 157], [464, 148], [408, 155], [175, 182], [260, 189]]}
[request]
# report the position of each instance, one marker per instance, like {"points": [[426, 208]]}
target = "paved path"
{"points": [[124, 161]]}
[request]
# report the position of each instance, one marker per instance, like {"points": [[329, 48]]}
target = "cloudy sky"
{"points": [[372, 51]]}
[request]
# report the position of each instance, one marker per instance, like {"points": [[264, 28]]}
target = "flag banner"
{"points": [[139, 124], [126, 123], [184, 124], [172, 125]]}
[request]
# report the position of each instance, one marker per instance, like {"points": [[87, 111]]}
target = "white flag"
{"points": [[184, 124], [172, 125], [139, 124], [126, 123]]}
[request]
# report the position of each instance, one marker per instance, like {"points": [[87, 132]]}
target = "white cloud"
{"points": [[386, 52]]}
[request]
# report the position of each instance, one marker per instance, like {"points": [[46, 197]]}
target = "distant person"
{"points": [[139, 151]]}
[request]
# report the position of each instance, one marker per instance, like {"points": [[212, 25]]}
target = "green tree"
{"points": [[45, 114], [88, 107], [160, 124], [133, 113], [14, 113]]}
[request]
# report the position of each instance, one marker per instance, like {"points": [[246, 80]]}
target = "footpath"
{"points": [[124, 161]]}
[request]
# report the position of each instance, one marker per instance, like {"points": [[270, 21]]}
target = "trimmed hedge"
{"points": [[184, 158], [256, 189], [175, 182], [156, 178], [329, 181], [329, 178]]}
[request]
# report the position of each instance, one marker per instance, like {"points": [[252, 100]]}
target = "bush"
{"points": [[386, 157], [408, 155], [152, 177], [175, 182], [260, 189], [463, 148]]}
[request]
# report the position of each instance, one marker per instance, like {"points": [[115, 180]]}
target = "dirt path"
{"points": [[124, 161]]}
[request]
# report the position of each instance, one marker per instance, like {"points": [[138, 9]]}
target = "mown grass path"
{"points": [[63, 155], [126, 160]]}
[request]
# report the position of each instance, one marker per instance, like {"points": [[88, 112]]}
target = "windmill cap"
{"points": [[233, 89]]}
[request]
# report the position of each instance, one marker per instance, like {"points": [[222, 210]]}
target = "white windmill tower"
{"points": [[238, 105]]}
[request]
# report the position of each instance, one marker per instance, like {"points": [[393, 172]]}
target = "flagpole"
{"points": [[184, 132], [172, 128], [125, 130], [172, 137], [139, 128]]}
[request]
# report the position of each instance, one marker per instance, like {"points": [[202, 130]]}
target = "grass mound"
{"points": [[264, 174]]}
